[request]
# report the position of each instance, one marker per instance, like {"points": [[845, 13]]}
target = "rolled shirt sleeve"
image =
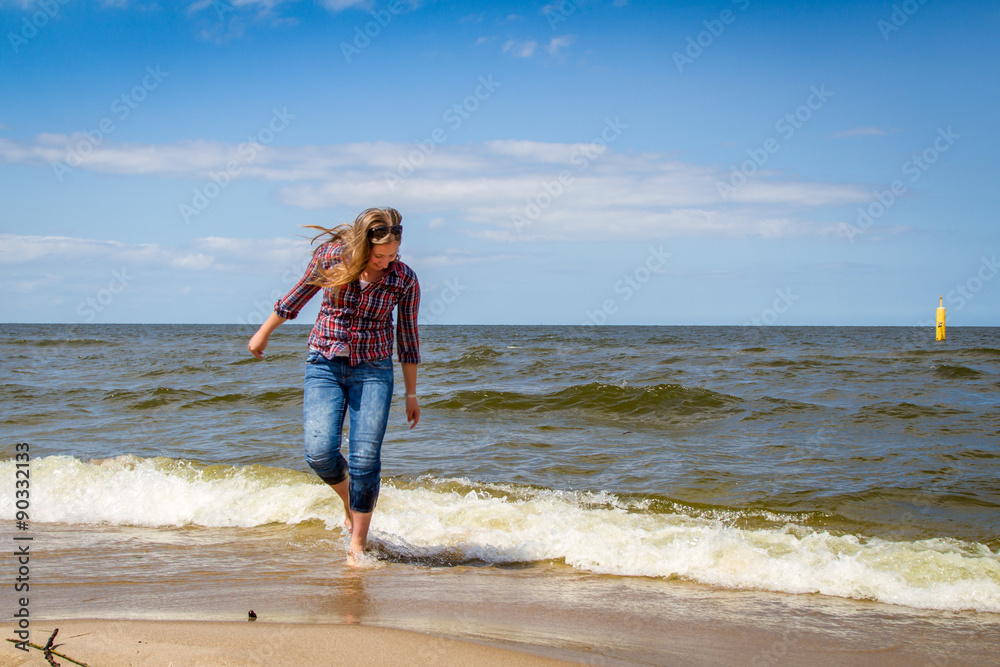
{"points": [[407, 333]]}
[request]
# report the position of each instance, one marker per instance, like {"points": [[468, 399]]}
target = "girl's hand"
{"points": [[257, 344], [412, 411]]}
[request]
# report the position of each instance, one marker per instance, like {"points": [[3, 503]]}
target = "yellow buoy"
{"points": [[940, 321]]}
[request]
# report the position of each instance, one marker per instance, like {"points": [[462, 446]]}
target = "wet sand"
{"points": [[216, 643], [404, 615], [189, 599], [151, 643]]}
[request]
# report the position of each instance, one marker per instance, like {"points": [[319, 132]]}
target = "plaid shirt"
{"points": [[359, 319]]}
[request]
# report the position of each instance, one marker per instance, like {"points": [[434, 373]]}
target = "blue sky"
{"points": [[579, 162]]}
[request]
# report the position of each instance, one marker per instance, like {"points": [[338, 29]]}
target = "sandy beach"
{"points": [[190, 607], [153, 643], [756, 642]]}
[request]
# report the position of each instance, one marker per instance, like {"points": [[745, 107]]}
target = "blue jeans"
{"points": [[334, 388]]}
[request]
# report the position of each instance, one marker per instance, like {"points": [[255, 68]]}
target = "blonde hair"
{"points": [[356, 246]]}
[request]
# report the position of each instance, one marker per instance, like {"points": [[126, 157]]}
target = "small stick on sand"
{"points": [[48, 652]]}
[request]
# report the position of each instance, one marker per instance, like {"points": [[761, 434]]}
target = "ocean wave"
{"points": [[990, 353], [804, 364], [159, 397], [156, 492], [459, 521], [985, 352], [270, 357], [956, 372], [474, 357], [665, 400], [666, 340], [266, 399], [170, 371], [779, 406], [60, 342], [906, 410], [16, 391], [153, 398]]}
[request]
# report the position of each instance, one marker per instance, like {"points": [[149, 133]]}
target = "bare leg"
{"points": [[359, 535], [342, 490]]}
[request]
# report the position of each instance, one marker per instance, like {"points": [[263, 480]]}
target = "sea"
{"points": [[609, 495]]}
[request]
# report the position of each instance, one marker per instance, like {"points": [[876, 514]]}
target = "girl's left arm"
{"points": [[410, 382], [408, 344]]}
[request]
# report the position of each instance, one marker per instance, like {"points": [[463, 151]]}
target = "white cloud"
{"points": [[505, 189], [557, 44], [262, 7], [520, 49], [32, 285], [527, 48], [203, 254], [457, 257], [340, 5]]}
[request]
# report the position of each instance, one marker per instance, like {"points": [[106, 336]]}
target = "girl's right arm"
{"points": [[259, 340]]}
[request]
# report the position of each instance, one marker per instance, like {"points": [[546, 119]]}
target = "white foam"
{"points": [[456, 520], [162, 492]]}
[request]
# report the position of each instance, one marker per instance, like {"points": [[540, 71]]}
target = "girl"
{"points": [[349, 367]]}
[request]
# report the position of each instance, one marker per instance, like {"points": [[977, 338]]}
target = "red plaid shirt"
{"points": [[359, 319]]}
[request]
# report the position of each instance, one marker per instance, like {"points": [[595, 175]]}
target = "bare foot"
{"points": [[357, 559], [348, 526]]}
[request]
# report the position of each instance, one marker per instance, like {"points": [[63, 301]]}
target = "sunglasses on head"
{"points": [[381, 231]]}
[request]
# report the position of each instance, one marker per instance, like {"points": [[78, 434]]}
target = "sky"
{"points": [[578, 162]]}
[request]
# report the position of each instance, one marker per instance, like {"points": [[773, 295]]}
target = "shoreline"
{"points": [[120, 643], [771, 634], [198, 586]]}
